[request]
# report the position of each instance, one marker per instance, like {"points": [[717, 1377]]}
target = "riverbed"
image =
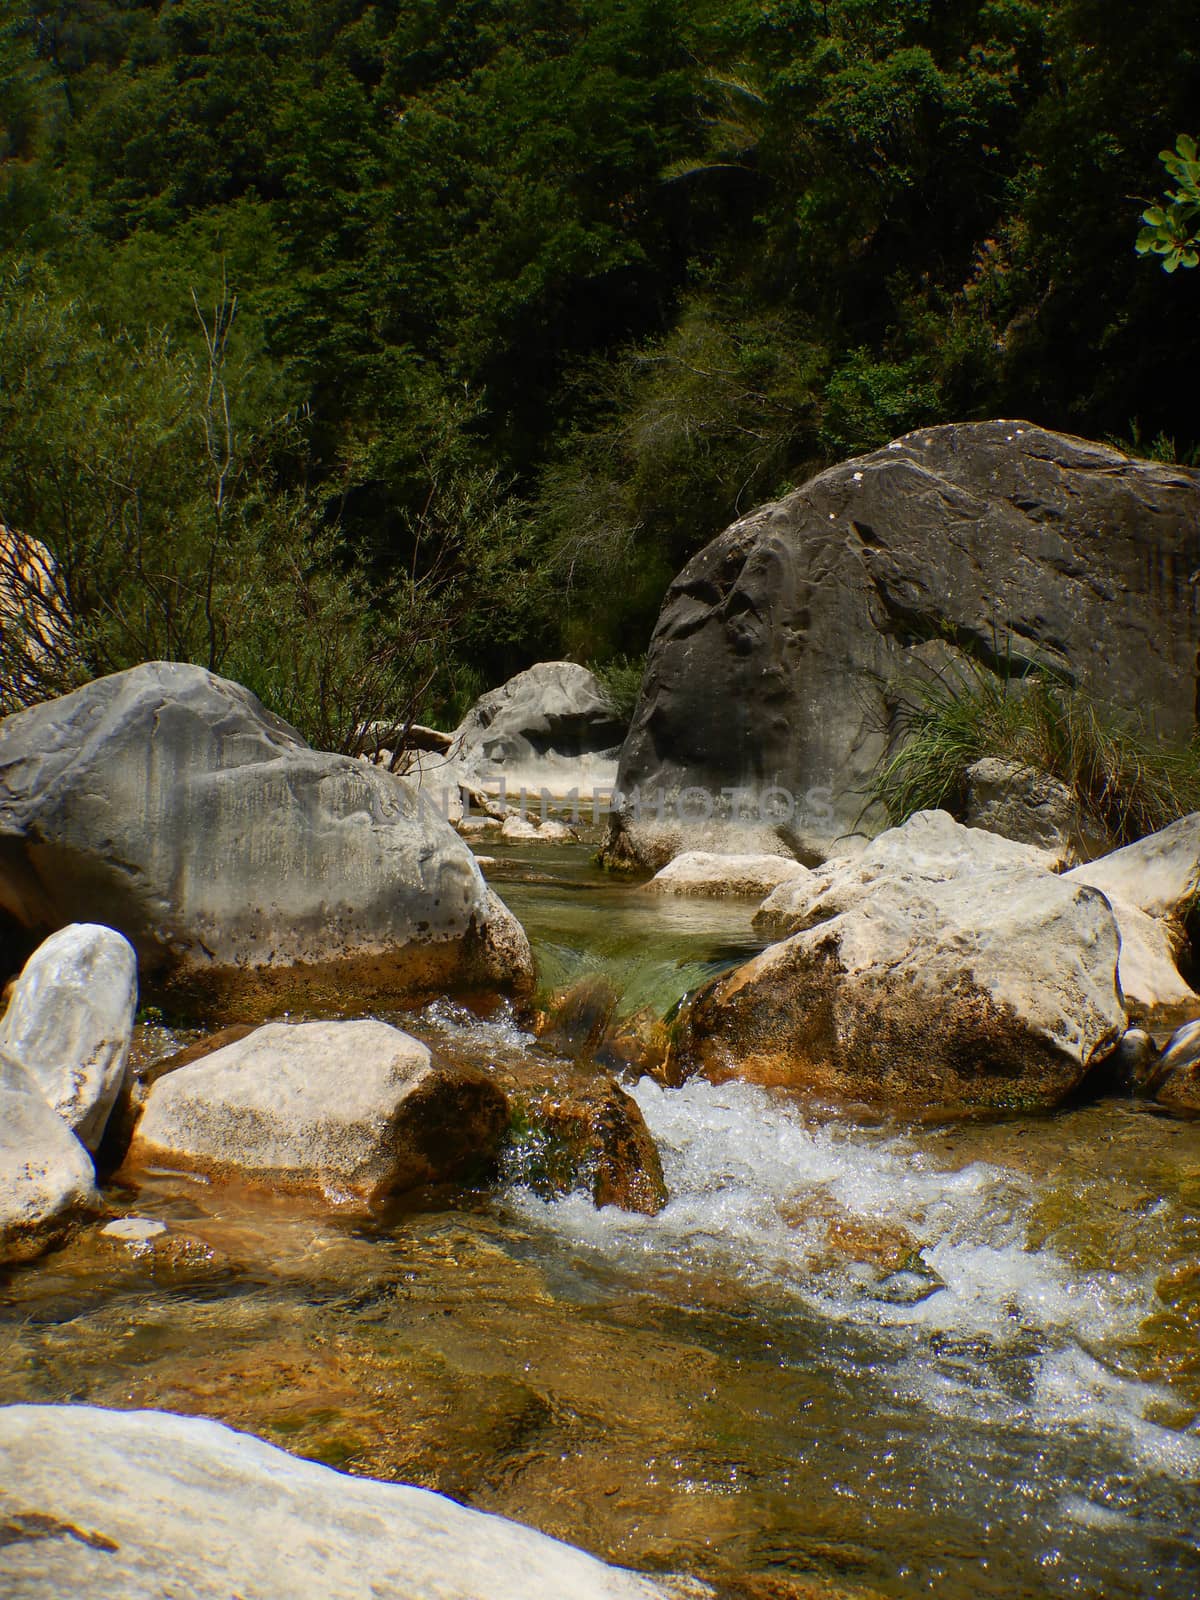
{"points": [[846, 1358]]}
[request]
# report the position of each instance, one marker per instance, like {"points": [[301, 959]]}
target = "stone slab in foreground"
{"points": [[140, 1505], [354, 1111]]}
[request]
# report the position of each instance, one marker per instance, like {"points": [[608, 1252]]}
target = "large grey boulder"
{"points": [[70, 1023], [770, 666], [553, 726], [46, 1176], [925, 980], [141, 1505], [249, 871], [354, 1111]]}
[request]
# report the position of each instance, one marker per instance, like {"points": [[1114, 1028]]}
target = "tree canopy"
{"points": [[534, 295]]}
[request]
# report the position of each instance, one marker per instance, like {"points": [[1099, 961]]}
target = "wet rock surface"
{"points": [[572, 1129]]}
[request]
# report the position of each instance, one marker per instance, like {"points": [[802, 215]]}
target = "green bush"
{"points": [[622, 677], [1120, 774]]}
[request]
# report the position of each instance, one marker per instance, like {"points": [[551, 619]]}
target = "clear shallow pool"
{"points": [[961, 1361]]}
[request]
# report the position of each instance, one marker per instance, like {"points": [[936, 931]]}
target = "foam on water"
{"points": [[974, 1324]]}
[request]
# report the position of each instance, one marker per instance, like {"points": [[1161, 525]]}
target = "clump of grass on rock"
{"points": [[1121, 775]]}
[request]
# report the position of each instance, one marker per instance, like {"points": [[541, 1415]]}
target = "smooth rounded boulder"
{"points": [[249, 871], [46, 1176], [782, 648], [353, 1111], [554, 726], [70, 1023], [143, 1504]]}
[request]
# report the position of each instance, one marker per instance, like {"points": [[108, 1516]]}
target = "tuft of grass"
{"points": [[622, 677], [1121, 775]]}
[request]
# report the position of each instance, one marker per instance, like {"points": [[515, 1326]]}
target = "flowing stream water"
{"points": [[845, 1359]]}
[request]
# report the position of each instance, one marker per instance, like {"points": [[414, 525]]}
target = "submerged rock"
{"points": [[932, 981], [249, 871], [536, 830], [574, 1129], [699, 872], [203, 1511], [1175, 1078], [70, 1022], [46, 1176], [352, 1110], [768, 676]]}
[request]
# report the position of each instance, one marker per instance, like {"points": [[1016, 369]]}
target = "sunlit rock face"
{"points": [[551, 727], [354, 1111], [996, 543], [208, 1512], [70, 1023], [46, 1176], [248, 870], [945, 970]]}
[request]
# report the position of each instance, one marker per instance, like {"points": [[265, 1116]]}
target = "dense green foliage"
{"points": [[535, 295], [1125, 783]]}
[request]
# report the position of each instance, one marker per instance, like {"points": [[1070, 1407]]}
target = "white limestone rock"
{"points": [[70, 1023]]}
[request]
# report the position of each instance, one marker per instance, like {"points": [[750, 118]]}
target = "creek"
{"points": [[846, 1358]]}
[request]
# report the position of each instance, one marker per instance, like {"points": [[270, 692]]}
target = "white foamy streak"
{"points": [[739, 1164]]}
